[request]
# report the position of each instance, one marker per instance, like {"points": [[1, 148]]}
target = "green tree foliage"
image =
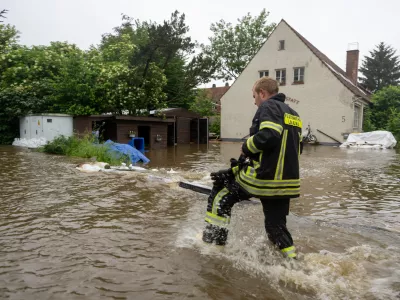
{"points": [[385, 102], [394, 123], [233, 46], [385, 113], [367, 122], [163, 48], [381, 68], [203, 104]]}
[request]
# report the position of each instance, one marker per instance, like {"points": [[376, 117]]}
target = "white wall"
{"points": [[25, 128], [47, 126], [54, 126], [323, 101]]}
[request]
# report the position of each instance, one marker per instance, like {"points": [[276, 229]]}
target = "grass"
{"points": [[84, 147]]}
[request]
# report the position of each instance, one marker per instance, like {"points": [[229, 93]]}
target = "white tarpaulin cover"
{"points": [[374, 139]]}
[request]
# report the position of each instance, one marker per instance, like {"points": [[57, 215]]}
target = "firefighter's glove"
{"points": [[234, 162], [221, 176]]}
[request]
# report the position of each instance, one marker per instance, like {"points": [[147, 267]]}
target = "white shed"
{"points": [[47, 126]]}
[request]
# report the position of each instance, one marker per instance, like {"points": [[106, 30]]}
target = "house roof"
{"points": [[128, 118], [144, 119], [177, 112], [216, 93], [335, 69]]}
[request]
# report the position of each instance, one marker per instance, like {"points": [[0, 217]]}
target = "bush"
{"points": [[394, 124], [367, 123], [84, 147]]}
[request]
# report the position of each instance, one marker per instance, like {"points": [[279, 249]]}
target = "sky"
{"points": [[329, 25]]}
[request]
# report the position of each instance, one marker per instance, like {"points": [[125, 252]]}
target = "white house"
{"points": [[47, 126], [326, 97]]}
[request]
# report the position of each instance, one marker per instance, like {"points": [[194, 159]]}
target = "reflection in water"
{"points": [[128, 235]]}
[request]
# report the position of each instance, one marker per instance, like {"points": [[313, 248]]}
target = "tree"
{"points": [[203, 104], [8, 38], [122, 79], [75, 82], [167, 47], [381, 68], [386, 103], [232, 47]]}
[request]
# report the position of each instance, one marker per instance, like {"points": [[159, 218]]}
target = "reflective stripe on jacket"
{"points": [[274, 150]]}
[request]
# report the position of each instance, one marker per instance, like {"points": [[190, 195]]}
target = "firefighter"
{"points": [[268, 169]]}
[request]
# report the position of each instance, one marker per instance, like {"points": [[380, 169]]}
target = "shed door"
{"points": [[36, 127], [194, 131], [199, 131], [25, 127], [203, 131]]}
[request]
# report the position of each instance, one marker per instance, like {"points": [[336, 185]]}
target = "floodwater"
{"points": [[132, 235]]}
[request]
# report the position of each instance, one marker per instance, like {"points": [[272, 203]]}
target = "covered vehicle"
{"points": [[380, 139]]}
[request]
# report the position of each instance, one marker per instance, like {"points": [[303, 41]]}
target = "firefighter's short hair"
{"points": [[267, 84]]}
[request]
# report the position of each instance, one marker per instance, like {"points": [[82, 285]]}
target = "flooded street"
{"points": [[132, 235]]}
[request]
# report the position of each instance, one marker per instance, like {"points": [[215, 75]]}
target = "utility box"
{"points": [[48, 126]]}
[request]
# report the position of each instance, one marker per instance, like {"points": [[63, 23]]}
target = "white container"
{"points": [[47, 126]]}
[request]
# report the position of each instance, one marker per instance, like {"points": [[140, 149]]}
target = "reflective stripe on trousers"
{"points": [[289, 251], [212, 217]]}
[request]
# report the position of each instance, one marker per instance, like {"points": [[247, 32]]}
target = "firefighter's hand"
{"points": [[221, 175]]}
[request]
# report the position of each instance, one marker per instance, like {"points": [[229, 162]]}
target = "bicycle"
{"points": [[309, 138]]}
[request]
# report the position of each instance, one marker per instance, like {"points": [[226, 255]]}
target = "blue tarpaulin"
{"points": [[126, 149]]}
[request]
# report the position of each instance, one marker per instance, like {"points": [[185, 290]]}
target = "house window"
{"points": [[264, 73], [281, 76], [281, 45], [49, 120], [357, 115], [298, 75]]}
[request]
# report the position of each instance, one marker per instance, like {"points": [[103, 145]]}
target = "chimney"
{"points": [[227, 84], [214, 85], [352, 62]]}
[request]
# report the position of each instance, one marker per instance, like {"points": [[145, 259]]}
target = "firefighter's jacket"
{"points": [[274, 150]]}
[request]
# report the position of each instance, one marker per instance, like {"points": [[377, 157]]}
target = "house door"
{"points": [[203, 131], [36, 127], [199, 131], [144, 132], [171, 135], [194, 131]]}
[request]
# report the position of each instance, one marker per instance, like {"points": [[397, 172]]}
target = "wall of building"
{"points": [[322, 101], [183, 130], [83, 124], [159, 128], [118, 130]]}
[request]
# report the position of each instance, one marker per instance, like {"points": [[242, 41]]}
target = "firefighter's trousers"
{"points": [[220, 203]]}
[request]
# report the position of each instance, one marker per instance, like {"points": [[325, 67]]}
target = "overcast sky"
{"points": [[329, 25]]}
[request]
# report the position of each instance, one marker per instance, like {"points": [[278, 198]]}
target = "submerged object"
{"points": [[93, 167]]}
